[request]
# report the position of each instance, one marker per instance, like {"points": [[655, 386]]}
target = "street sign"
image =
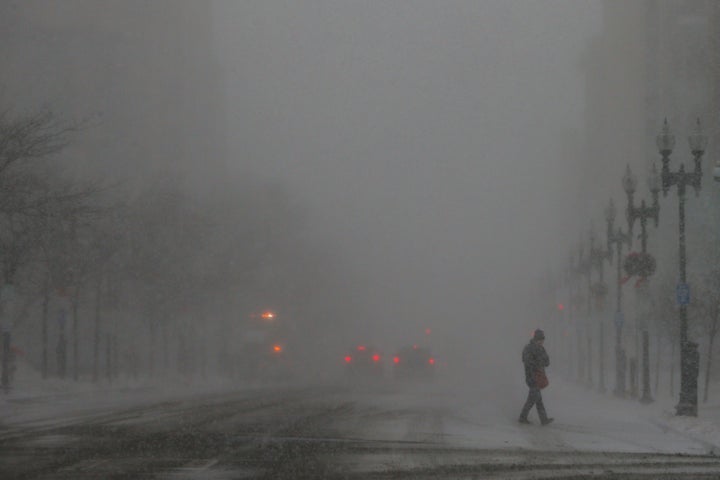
{"points": [[682, 293], [619, 319]]}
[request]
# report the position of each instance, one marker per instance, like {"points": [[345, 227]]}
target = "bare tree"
{"points": [[31, 137], [25, 143]]}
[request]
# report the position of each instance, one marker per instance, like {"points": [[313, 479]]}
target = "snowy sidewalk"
{"points": [[479, 415], [597, 421]]}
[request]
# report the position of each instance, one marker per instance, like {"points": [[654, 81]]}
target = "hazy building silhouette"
{"points": [[654, 59]]}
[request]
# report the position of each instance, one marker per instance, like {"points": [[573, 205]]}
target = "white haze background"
{"points": [[428, 140], [427, 149]]}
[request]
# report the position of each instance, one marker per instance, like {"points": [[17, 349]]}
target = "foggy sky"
{"points": [[428, 139]]}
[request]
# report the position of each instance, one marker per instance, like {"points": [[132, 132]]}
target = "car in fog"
{"points": [[364, 361], [263, 350], [263, 361], [414, 362]]}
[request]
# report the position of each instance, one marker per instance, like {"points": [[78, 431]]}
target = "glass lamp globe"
{"points": [[665, 140]]}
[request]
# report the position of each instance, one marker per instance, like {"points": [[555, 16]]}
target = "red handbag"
{"points": [[541, 380]]}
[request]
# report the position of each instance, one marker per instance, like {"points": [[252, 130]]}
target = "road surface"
{"points": [[336, 432]]}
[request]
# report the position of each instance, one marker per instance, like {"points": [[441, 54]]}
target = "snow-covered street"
{"points": [[335, 431]]}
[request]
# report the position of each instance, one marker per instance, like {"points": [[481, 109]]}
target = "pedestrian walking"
{"points": [[535, 359]]}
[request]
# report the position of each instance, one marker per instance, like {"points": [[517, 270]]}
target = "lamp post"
{"points": [[688, 350], [599, 290], [567, 316], [574, 271], [585, 268], [617, 238], [643, 213]]}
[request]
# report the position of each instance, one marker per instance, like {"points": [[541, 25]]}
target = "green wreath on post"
{"points": [[640, 264]]}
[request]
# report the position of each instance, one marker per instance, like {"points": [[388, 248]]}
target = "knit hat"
{"points": [[539, 335]]}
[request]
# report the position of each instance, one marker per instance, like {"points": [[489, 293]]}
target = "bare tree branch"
{"points": [[31, 137]]}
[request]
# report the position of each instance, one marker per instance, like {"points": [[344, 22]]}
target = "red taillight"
{"points": [[431, 361], [376, 358], [396, 359], [348, 359], [361, 348]]}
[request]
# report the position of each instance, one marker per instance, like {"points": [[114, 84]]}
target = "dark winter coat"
{"points": [[534, 358]]}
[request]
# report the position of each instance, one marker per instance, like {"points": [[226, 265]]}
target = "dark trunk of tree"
{"points": [[672, 370], [657, 364], [166, 348], [45, 304], [96, 339], [114, 371], [108, 358], [713, 332], [151, 350], [76, 341]]}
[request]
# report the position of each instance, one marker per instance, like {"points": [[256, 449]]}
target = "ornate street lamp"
{"points": [[584, 267], [688, 350], [643, 212], [574, 272], [617, 238], [599, 291], [647, 263], [569, 281]]}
